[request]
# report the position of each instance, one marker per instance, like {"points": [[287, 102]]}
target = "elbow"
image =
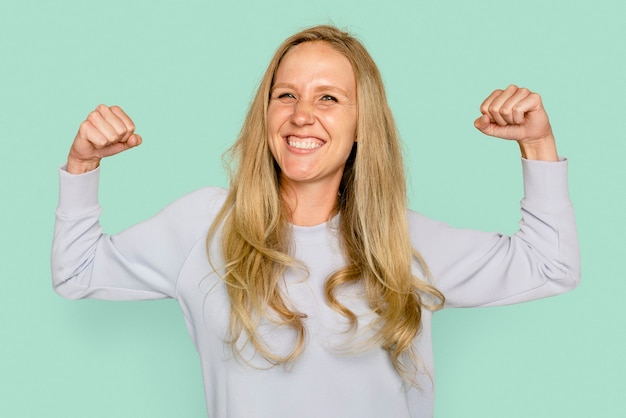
{"points": [[66, 277], [67, 291], [570, 263], [573, 280], [64, 284], [574, 272], [570, 278]]}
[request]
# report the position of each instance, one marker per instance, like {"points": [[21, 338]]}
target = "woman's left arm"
{"points": [[475, 268]]}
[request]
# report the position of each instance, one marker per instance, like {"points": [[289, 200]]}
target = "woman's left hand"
{"points": [[518, 114]]}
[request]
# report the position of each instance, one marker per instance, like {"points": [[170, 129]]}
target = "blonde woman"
{"points": [[308, 287]]}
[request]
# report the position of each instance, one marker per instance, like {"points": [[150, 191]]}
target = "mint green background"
{"points": [[186, 70]]}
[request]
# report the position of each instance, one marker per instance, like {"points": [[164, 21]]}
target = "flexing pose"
{"points": [[308, 287]]}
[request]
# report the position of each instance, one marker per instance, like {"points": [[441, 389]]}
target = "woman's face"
{"points": [[312, 115]]}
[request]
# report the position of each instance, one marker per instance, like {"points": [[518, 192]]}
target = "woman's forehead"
{"points": [[315, 59]]}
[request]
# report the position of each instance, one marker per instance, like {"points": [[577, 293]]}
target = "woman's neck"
{"points": [[310, 204]]}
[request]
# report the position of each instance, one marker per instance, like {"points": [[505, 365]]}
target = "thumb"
{"points": [[483, 123], [134, 140]]}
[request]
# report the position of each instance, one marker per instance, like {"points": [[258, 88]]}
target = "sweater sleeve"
{"points": [[142, 262], [474, 268]]}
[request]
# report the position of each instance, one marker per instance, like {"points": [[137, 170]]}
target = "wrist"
{"points": [[77, 166], [543, 149]]}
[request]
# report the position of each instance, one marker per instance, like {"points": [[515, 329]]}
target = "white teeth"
{"points": [[304, 144]]}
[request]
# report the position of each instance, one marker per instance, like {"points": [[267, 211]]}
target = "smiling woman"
{"points": [[309, 287]]}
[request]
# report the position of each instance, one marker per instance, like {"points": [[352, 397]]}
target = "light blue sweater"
{"points": [[165, 256]]}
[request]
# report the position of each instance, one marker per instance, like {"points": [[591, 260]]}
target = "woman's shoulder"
{"points": [[197, 207], [417, 221], [206, 197], [426, 232]]}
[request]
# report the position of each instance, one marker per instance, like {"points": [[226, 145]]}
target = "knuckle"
{"points": [[99, 142], [506, 111], [83, 130], [91, 117], [86, 124]]}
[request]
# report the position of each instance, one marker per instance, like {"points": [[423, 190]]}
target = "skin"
{"points": [[314, 101], [312, 118]]}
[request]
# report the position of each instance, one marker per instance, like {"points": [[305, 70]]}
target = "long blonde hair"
{"points": [[255, 237]]}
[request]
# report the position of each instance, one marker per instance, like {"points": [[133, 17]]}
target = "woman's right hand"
{"points": [[106, 131]]}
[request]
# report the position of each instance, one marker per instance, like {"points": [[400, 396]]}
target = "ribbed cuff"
{"points": [[545, 184], [78, 193]]}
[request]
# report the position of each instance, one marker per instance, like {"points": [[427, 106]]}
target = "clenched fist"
{"points": [[106, 131], [518, 114]]}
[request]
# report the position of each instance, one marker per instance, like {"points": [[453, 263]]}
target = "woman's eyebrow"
{"points": [[327, 87], [319, 88]]}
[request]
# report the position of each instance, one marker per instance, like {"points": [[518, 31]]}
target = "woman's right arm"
{"points": [[142, 262]]}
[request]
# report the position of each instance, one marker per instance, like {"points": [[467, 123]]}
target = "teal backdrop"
{"points": [[186, 71]]}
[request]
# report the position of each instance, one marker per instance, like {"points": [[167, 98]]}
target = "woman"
{"points": [[308, 288]]}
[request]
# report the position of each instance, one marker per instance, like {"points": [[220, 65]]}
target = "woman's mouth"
{"points": [[305, 143]]}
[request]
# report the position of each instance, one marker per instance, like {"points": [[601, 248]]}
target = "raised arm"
{"points": [[475, 268], [139, 263]]}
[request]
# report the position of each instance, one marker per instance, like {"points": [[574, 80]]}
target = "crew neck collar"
{"points": [[316, 232]]}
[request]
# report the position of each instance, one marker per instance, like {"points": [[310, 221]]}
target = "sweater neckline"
{"points": [[314, 233]]}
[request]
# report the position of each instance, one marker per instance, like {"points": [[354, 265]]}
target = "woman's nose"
{"points": [[303, 113]]}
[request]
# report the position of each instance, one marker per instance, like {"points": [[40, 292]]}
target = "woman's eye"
{"points": [[286, 96], [328, 97]]}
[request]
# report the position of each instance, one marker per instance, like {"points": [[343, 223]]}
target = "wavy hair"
{"points": [[255, 231]]}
